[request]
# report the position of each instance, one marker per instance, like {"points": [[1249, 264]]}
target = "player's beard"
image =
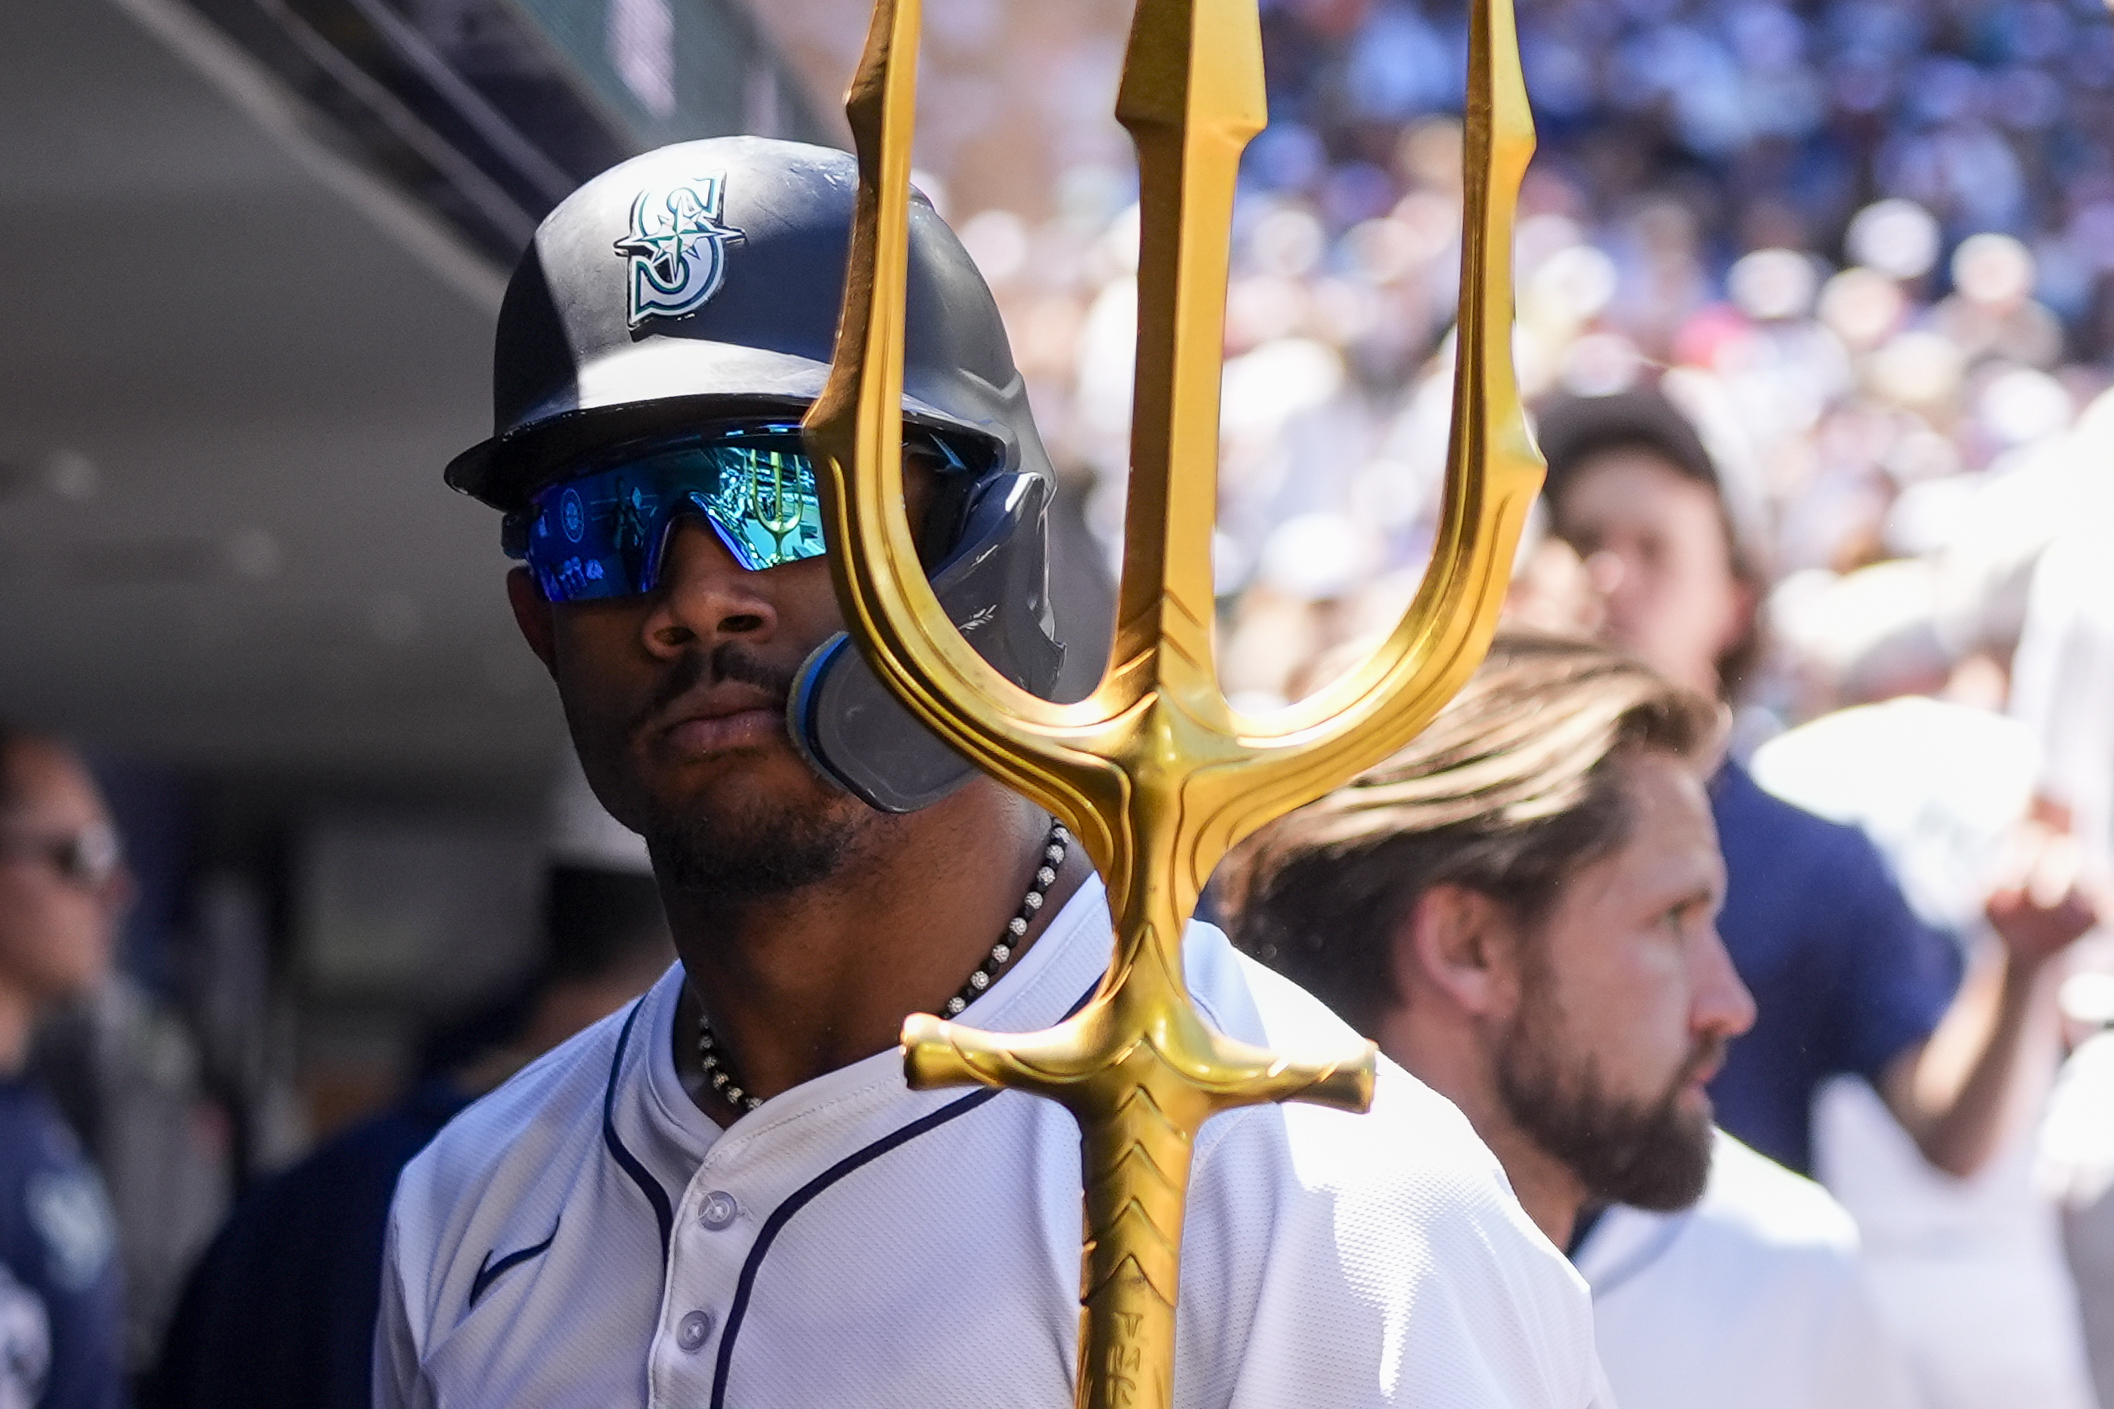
{"points": [[767, 851], [728, 856], [1649, 1153]]}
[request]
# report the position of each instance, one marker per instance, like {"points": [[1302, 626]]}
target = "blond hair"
{"points": [[1508, 792]]}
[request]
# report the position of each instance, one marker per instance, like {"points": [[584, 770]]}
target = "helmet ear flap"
{"points": [[995, 589], [945, 519]]}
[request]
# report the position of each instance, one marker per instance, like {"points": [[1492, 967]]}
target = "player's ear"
{"points": [[531, 613], [1461, 946]]}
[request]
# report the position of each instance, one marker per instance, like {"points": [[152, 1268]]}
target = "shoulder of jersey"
{"points": [[1411, 1132], [1401, 1213]]}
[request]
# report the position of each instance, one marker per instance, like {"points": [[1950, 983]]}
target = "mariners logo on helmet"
{"points": [[677, 249]]}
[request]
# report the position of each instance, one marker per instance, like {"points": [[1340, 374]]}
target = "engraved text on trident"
{"points": [[1154, 773]]}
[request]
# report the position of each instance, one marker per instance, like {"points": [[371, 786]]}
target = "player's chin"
{"points": [[74, 972], [768, 779]]}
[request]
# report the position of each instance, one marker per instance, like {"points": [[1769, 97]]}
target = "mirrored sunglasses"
{"points": [[88, 858], [601, 532]]}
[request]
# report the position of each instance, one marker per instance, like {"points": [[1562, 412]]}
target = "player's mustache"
{"points": [[726, 662], [731, 662], [1709, 1053]]}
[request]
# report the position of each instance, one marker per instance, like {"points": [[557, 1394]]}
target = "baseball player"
{"points": [[63, 891], [1520, 907], [725, 1195]]}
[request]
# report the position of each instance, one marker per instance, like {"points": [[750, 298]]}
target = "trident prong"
{"points": [[1157, 775]]}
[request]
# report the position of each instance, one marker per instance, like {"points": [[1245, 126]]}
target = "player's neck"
{"points": [[1443, 1051], [818, 978], [1546, 1187]]}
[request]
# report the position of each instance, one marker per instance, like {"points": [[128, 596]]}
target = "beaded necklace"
{"points": [[1054, 848]]}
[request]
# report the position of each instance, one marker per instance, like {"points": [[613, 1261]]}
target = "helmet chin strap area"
{"points": [[995, 589]]}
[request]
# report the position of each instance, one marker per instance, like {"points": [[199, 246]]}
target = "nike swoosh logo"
{"points": [[489, 1271]]}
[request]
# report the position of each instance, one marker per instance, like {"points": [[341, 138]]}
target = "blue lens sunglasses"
{"points": [[600, 532]]}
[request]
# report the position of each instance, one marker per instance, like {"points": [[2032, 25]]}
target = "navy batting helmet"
{"points": [[700, 284]]}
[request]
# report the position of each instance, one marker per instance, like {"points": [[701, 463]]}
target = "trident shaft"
{"points": [[1154, 772]]}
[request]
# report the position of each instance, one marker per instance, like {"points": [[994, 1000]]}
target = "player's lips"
{"points": [[728, 718], [716, 733], [1701, 1073]]}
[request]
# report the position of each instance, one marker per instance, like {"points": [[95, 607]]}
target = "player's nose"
{"points": [[703, 596], [1722, 1005], [1606, 571]]}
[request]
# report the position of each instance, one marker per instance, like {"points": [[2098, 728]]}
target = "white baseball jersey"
{"points": [[1752, 1299], [586, 1236]]}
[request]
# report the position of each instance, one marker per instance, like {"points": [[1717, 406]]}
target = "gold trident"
{"points": [[1154, 772]]}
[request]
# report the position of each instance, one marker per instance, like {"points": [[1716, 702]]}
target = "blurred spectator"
{"points": [[2078, 1167], [125, 1068], [2064, 673], [2064, 690], [1518, 907], [132, 1070], [1969, 1271], [1846, 978], [62, 889], [280, 1312]]}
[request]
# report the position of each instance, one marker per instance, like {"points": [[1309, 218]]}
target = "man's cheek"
{"points": [[814, 612]]}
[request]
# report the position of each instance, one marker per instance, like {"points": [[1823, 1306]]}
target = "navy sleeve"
{"points": [[279, 1314], [1845, 977], [1898, 974], [58, 1244]]}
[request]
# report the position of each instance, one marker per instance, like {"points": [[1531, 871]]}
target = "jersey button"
{"points": [[691, 1331], [718, 1210]]}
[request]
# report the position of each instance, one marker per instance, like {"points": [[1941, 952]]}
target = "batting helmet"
{"points": [[701, 283]]}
